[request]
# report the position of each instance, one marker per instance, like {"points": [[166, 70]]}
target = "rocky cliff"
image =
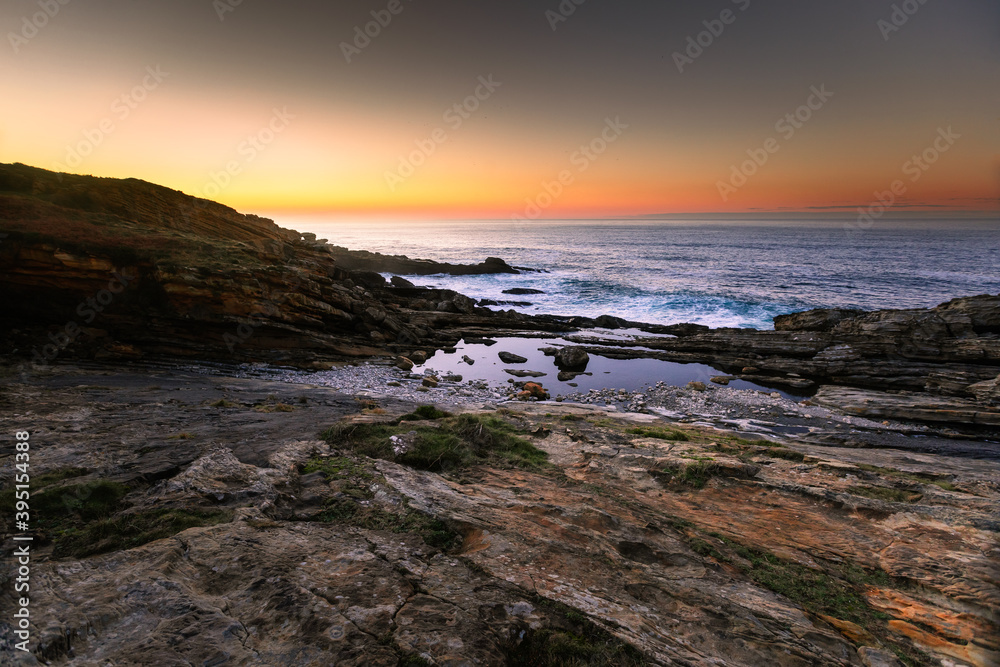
{"points": [[104, 267]]}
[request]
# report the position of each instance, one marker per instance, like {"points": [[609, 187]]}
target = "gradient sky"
{"points": [[354, 121]]}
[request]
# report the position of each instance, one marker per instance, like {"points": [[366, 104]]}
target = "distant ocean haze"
{"points": [[721, 274]]}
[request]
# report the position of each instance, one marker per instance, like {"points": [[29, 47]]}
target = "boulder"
{"points": [[404, 364], [609, 322], [369, 279], [572, 358], [396, 281], [511, 358], [533, 390]]}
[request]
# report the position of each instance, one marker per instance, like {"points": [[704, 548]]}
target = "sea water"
{"points": [[718, 273]]}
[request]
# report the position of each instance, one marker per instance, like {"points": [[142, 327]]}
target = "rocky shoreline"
{"points": [[161, 274], [241, 455]]}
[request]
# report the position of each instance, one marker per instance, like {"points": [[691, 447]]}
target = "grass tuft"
{"points": [[425, 413], [451, 444], [659, 433], [886, 494]]}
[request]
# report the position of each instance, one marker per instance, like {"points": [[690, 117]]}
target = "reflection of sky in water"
{"points": [[629, 374]]}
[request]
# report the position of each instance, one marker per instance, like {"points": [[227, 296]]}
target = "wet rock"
{"points": [[524, 374], [609, 322], [418, 357], [697, 386], [479, 341], [823, 319], [469, 360], [572, 359], [430, 382], [723, 379], [522, 291], [397, 281], [511, 358], [404, 363]]}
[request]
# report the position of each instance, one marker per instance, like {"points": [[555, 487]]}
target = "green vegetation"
{"points": [[450, 444], [273, 407], [90, 518], [885, 493], [697, 473], [126, 531], [425, 413], [817, 592], [786, 454], [659, 433], [572, 640], [353, 507], [837, 591], [916, 478]]}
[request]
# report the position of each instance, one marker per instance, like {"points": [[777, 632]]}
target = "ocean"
{"points": [[717, 273]]}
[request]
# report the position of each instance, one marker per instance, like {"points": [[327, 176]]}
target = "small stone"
{"points": [[511, 358], [697, 386]]}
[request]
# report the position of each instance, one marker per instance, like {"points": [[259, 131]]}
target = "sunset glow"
{"points": [[84, 101]]}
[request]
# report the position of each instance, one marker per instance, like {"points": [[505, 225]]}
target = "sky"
{"points": [[476, 109]]}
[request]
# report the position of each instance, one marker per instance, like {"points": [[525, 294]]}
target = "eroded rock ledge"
{"points": [[640, 542]]}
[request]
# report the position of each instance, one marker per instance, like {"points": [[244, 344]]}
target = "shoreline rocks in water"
{"points": [[198, 280]]}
